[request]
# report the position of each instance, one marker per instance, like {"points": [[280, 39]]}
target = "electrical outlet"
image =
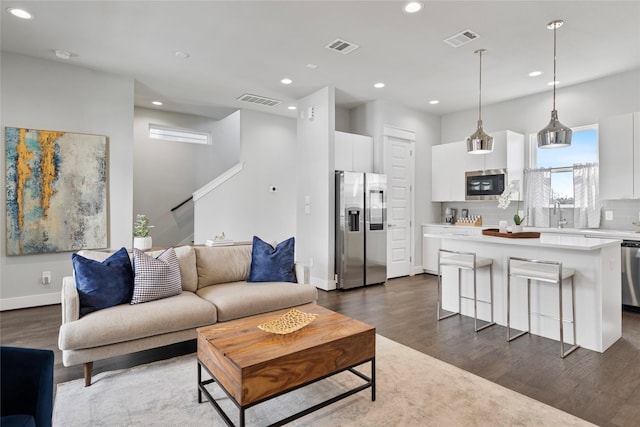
{"points": [[608, 215], [46, 278]]}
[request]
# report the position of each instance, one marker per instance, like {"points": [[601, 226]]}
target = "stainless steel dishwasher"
{"points": [[631, 273]]}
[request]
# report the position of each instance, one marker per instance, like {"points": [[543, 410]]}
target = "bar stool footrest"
{"points": [[511, 338], [485, 326], [446, 316], [571, 350]]}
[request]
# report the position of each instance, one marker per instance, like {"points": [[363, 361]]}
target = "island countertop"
{"points": [[545, 240]]}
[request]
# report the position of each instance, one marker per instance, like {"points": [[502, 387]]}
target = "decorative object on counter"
{"points": [[450, 216], [219, 240], [502, 226], [521, 235], [480, 142], [473, 220], [505, 200], [555, 134], [464, 213], [141, 229]]}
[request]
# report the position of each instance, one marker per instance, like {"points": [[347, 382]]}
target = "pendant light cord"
{"points": [[555, 80], [480, 89]]}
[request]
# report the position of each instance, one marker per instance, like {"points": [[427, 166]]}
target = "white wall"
{"points": [[243, 206], [315, 180], [50, 95], [370, 119], [166, 172], [579, 105]]}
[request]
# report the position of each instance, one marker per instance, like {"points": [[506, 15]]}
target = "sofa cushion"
{"points": [[186, 259], [129, 322], [155, 277], [222, 264], [269, 264], [240, 299], [103, 284]]}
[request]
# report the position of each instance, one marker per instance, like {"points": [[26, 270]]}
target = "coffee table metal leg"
{"points": [[373, 379], [370, 382], [199, 382]]}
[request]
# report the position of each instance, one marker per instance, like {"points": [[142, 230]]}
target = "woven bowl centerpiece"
{"points": [[289, 322]]}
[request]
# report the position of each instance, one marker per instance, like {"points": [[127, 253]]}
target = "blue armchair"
{"points": [[27, 387]]}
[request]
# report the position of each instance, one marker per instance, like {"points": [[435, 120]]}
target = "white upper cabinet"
{"points": [[353, 152], [619, 157], [447, 172], [449, 162]]}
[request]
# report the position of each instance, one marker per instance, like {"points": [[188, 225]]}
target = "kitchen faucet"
{"points": [[561, 221]]}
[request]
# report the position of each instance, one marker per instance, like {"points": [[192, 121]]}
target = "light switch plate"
{"points": [[608, 215]]}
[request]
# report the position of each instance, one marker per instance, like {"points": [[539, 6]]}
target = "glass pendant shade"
{"points": [[555, 135], [480, 142]]}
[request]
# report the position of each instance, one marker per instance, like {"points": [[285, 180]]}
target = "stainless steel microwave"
{"points": [[485, 185]]}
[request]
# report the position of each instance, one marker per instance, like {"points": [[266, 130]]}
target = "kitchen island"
{"points": [[597, 285]]}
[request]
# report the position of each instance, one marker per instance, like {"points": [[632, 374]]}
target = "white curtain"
{"points": [[586, 212], [537, 193]]}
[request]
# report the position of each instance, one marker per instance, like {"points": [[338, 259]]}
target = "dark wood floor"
{"points": [[601, 388]]}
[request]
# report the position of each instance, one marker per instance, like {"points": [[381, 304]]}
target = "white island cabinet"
{"points": [[597, 285]]}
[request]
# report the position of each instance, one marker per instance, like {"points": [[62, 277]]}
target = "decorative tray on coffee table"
{"points": [[289, 322], [522, 235]]}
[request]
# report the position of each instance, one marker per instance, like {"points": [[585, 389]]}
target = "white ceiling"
{"points": [[239, 47]]}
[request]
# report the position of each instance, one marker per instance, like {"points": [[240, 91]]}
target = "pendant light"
{"points": [[480, 142], [555, 135]]}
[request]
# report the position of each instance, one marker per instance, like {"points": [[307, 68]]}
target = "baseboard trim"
{"points": [[29, 301], [417, 269], [325, 285]]}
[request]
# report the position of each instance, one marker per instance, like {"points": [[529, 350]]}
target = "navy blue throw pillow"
{"points": [[103, 284], [269, 264]]}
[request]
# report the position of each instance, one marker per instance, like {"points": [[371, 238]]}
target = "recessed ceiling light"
{"points": [[535, 73], [182, 55], [292, 107], [19, 13], [63, 54], [413, 6], [434, 102], [378, 85], [286, 81], [312, 66], [556, 83], [156, 103]]}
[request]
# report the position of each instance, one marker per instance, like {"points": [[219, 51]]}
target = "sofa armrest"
{"points": [[300, 272], [70, 300]]}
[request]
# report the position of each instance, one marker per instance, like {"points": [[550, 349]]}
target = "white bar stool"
{"points": [[465, 261], [543, 271]]}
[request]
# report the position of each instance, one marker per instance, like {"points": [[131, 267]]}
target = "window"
{"points": [[583, 149], [179, 135]]}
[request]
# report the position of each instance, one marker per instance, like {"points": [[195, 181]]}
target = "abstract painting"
{"points": [[56, 191]]}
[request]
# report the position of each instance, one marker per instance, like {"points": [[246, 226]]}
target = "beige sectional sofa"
{"points": [[214, 289]]}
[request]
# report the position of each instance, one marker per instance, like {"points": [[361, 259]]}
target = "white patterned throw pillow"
{"points": [[155, 278]]}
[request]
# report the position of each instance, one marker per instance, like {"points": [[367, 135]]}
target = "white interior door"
{"points": [[398, 166]]}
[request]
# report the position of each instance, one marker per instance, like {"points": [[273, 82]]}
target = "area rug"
{"points": [[413, 389]]}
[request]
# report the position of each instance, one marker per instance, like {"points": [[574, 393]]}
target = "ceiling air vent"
{"points": [[261, 100], [342, 46], [462, 38]]}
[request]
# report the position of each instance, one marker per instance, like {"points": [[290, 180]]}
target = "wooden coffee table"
{"points": [[252, 366]]}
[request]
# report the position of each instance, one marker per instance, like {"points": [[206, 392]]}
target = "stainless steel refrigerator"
{"points": [[361, 229]]}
